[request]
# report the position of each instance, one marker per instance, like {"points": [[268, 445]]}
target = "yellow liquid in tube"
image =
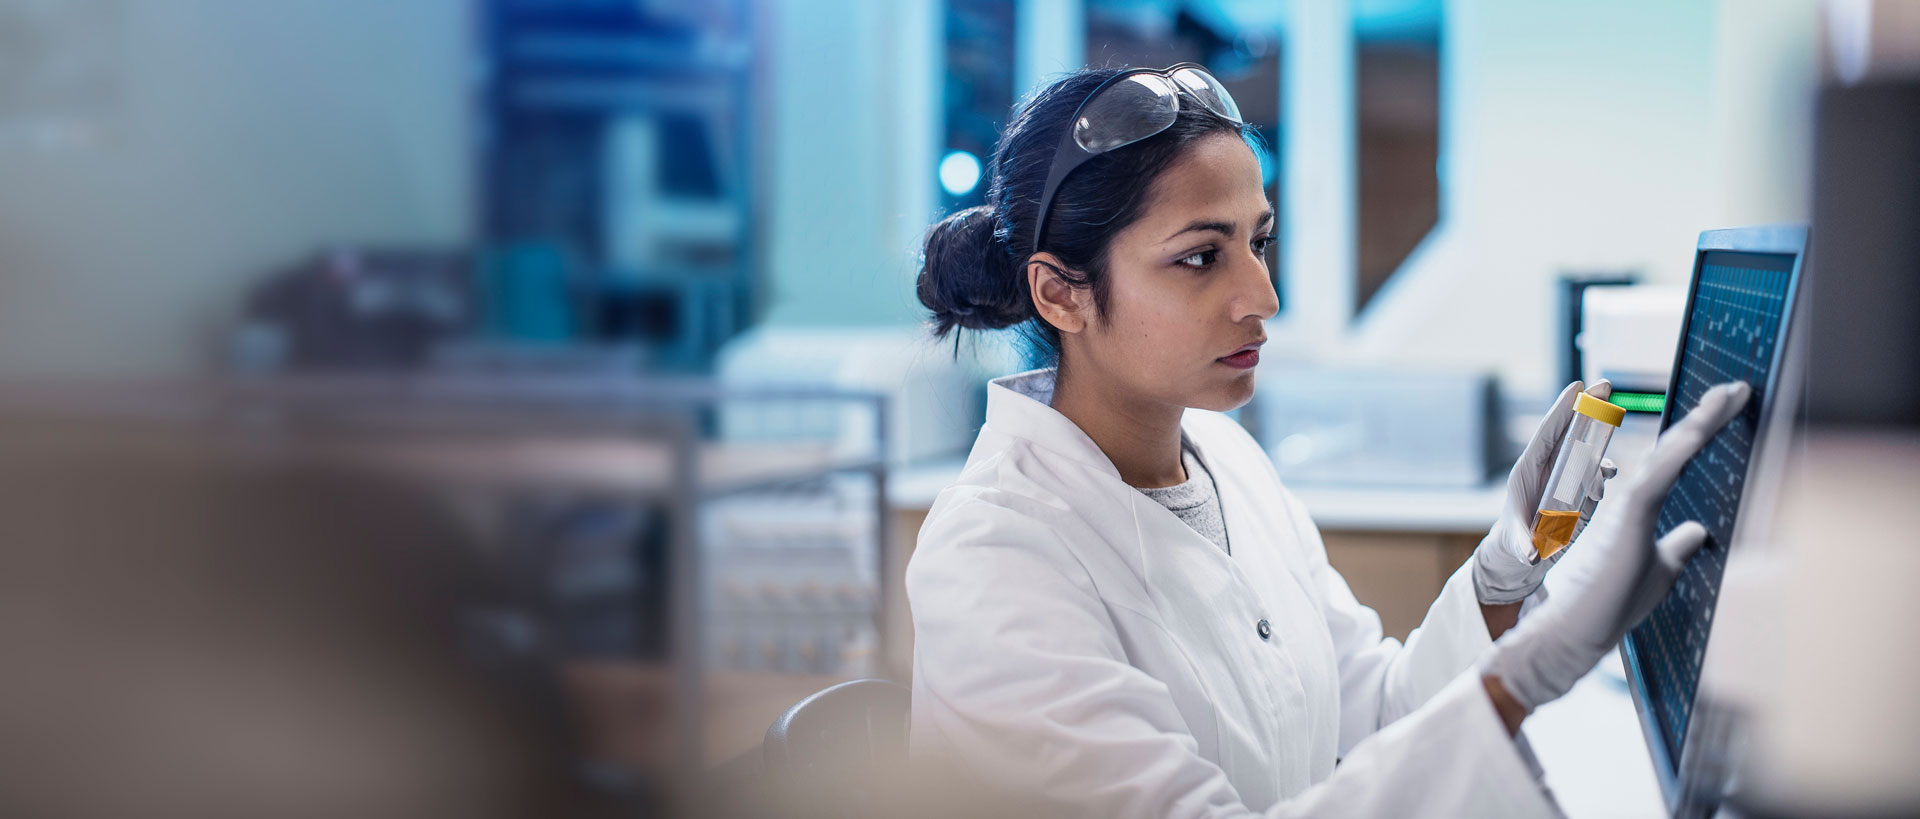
{"points": [[1552, 531]]}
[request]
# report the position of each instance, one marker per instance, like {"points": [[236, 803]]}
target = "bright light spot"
{"points": [[960, 173], [1296, 449]]}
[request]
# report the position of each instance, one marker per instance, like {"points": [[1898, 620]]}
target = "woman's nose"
{"points": [[1256, 298]]}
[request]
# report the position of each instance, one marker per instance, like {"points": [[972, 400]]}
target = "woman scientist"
{"points": [[1118, 609]]}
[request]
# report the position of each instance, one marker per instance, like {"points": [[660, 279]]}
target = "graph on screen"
{"points": [[1733, 329]]}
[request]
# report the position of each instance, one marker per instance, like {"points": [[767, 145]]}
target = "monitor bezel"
{"points": [[1790, 240]]}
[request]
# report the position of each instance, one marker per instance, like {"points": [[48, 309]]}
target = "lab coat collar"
{"points": [[1019, 406]]}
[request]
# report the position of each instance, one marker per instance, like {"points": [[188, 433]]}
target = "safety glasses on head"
{"points": [[1129, 107]]}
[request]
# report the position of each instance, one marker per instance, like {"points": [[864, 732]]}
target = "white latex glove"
{"points": [[1622, 573], [1502, 571]]}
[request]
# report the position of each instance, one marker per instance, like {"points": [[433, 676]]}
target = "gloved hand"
{"points": [[1501, 571], [1621, 574]]}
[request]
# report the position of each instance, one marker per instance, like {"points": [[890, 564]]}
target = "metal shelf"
{"points": [[606, 466], [622, 437]]}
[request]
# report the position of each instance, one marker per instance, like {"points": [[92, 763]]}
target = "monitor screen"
{"points": [[1734, 320]]}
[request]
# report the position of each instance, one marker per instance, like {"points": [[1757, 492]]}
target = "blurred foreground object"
{"points": [[1836, 727], [381, 596], [197, 631]]}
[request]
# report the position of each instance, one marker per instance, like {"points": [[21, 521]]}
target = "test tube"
{"points": [[1575, 469]]}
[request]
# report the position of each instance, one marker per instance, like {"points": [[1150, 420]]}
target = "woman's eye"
{"points": [[1200, 260], [1261, 244]]}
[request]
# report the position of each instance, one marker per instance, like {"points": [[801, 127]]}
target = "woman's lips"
{"points": [[1243, 360]]}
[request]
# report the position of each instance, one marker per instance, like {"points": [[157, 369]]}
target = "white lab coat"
{"points": [[1074, 638]]}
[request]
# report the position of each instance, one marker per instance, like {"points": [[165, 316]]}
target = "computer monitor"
{"points": [[1738, 314]]}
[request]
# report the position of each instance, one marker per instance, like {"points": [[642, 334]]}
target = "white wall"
{"points": [[242, 136], [1590, 136], [856, 99]]}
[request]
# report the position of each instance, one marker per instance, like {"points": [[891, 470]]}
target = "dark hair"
{"points": [[973, 274]]}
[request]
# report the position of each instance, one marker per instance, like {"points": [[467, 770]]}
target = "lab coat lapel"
{"points": [[1271, 557], [1251, 505]]}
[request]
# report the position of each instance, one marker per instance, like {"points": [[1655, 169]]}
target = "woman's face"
{"points": [[1188, 286]]}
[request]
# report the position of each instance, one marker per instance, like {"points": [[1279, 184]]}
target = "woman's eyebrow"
{"points": [[1203, 225], [1220, 227]]}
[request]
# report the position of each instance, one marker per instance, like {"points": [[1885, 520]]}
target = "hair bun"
{"points": [[968, 277]]}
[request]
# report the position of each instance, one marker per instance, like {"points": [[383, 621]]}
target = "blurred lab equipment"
{"points": [[527, 293], [796, 562], [495, 358], [366, 309], [1379, 427], [934, 394], [1576, 468], [1866, 247], [627, 132], [1572, 301], [1627, 334], [794, 586]]}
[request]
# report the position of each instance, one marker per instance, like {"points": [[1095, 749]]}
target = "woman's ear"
{"points": [[1059, 303]]}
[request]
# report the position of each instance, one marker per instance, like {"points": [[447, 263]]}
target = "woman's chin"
{"points": [[1227, 397]]}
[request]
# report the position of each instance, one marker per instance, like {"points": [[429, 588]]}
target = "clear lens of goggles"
{"points": [[1208, 91], [1142, 105]]}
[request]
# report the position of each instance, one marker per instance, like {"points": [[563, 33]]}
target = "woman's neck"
{"points": [[1141, 438]]}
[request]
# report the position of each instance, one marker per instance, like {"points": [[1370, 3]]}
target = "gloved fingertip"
{"points": [[1732, 392], [1678, 546], [1539, 452], [1600, 389], [1567, 396]]}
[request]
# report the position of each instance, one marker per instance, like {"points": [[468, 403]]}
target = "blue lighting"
{"points": [[960, 173]]}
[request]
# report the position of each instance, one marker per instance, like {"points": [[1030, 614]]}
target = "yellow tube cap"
{"points": [[1598, 410]]}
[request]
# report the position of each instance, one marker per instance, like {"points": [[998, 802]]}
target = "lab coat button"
{"points": [[1266, 631]]}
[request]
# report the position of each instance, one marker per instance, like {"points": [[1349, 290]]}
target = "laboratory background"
{"points": [[522, 407]]}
